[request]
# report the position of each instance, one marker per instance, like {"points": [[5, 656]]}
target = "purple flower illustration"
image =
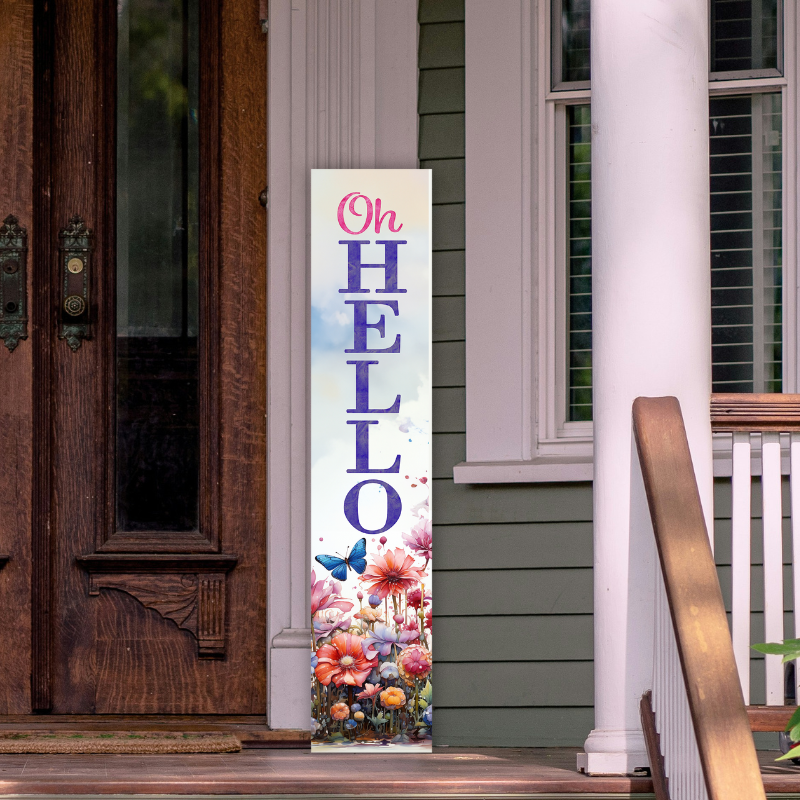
{"points": [[330, 621], [383, 638]]}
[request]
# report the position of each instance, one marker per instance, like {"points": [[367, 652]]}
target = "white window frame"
{"points": [[515, 218]]}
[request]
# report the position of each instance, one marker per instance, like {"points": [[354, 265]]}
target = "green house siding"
{"points": [[513, 579], [513, 582]]}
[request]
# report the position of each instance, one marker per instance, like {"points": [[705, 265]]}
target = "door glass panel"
{"points": [[157, 437]]}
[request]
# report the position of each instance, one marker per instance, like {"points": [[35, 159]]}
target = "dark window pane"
{"points": [[744, 35], [571, 34], [746, 248], [579, 233], [746, 240], [157, 457], [732, 353]]}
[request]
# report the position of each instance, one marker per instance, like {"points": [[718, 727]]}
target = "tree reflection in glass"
{"points": [[157, 454]]}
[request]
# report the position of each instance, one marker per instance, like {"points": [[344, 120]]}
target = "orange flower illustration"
{"points": [[393, 698], [370, 615], [340, 711], [392, 573], [343, 662]]}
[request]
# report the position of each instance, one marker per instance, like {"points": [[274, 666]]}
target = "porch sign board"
{"points": [[371, 601]]}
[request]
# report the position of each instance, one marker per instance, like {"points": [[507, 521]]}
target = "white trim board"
{"points": [[514, 291], [342, 93]]}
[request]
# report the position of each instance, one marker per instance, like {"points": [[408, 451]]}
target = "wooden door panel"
{"points": [[16, 410], [133, 645], [78, 156]]}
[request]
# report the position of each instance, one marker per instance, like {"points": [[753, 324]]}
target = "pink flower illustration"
{"points": [[415, 595], [392, 573], [371, 690], [420, 540], [415, 663], [325, 594]]}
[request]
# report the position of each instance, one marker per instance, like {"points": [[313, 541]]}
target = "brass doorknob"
{"points": [[74, 305]]}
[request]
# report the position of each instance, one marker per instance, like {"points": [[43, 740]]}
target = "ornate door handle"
{"points": [[13, 282], [75, 258]]}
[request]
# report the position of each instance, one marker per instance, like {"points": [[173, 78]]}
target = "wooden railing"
{"points": [[703, 726]]}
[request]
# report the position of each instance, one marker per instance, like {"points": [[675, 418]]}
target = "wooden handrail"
{"points": [[755, 412], [725, 743]]}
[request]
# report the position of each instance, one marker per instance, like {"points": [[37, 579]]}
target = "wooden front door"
{"points": [[132, 417]]}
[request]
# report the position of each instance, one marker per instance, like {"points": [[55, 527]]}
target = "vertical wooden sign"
{"points": [[371, 600]]}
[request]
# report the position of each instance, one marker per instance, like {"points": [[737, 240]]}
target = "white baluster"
{"points": [[794, 470], [671, 706], [740, 559], [773, 560]]}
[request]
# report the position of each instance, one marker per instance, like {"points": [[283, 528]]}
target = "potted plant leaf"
{"points": [[789, 649]]}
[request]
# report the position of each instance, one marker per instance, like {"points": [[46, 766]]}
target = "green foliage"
{"points": [[156, 59], [793, 753], [426, 694], [794, 724], [789, 649]]}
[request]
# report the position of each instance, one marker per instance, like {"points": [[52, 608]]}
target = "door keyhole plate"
{"points": [[13, 282]]}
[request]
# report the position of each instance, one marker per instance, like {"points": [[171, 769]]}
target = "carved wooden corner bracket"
{"points": [[187, 589]]}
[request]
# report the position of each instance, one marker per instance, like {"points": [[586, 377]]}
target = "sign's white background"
{"points": [[408, 373]]}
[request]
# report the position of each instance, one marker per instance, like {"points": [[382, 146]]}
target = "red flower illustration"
{"points": [[343, 662], [392, 573]]}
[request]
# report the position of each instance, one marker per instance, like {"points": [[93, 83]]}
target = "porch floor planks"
{"points": [[450, 771], [781, 778], [469, 772]]}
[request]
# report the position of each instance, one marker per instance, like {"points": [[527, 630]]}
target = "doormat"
{"points": [[119, 742]]}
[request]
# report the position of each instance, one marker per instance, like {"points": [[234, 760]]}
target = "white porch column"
{"points": [[651, 318]]}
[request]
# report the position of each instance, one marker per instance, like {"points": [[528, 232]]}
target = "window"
{"points": [[746, 166], [569, 63], [539, 291]]}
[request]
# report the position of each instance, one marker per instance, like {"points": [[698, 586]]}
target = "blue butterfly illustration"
{"points": [[355, 560]]}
